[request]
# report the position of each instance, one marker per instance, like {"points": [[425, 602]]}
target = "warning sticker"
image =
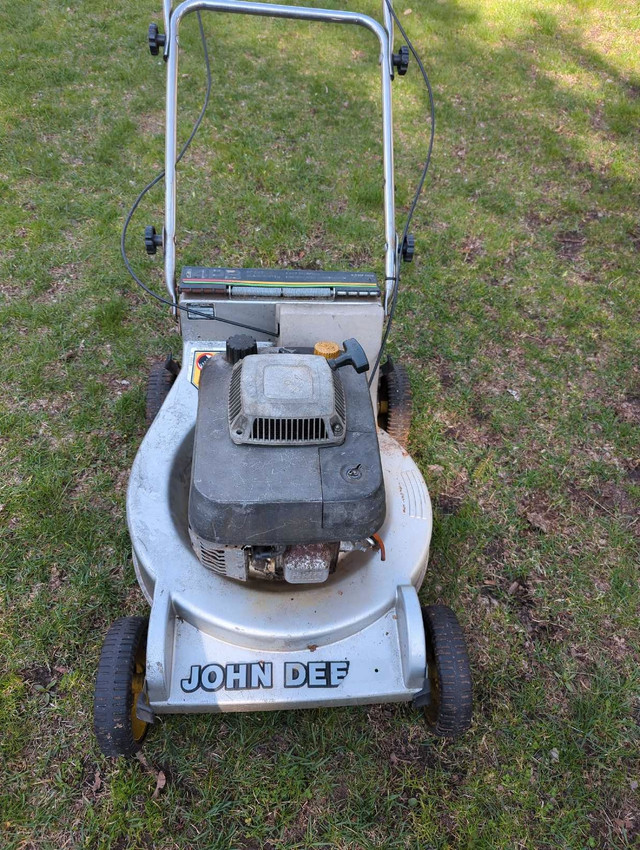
{"points": [[199, 359]]}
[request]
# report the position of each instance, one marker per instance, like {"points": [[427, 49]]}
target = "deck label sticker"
{"points": [[199, 359], [259, 674]]}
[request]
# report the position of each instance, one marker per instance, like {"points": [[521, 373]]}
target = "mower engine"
{"points": [[286, 467]]}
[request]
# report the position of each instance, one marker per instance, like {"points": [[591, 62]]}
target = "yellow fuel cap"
{"points": [[327, 349]]}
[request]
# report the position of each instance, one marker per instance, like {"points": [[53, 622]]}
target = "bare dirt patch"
{"points": [[38, 676], [534, 220], [472, 248], [633, 471], [11, 291], [539, 515], [635, 238], [400, 747], [629, 409], [150, 123], [570, 243], [63, 278], [610, 499], [446, 376], [494, 552]]}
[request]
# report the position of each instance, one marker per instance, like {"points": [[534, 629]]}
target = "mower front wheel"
{"points": [[119, 683], [448, 713], [161, 378]]}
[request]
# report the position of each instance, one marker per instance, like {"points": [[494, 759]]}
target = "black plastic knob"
{"points": [[239, 346], [156, 39], [152, 240], [408, 248], [401, 60], [353, 355]]}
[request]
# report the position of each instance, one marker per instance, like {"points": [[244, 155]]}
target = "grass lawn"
{"points": [[518, 322]]}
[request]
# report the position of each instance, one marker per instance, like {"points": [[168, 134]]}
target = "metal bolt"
{"points": [[355, 471]]}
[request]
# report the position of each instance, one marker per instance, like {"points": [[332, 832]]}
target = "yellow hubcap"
{"points": [[138, 727]]}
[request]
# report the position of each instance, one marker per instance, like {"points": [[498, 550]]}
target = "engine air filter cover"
{"points": [[286, 400]]}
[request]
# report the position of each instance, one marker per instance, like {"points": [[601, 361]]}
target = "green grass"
{"points": [[519, 323]]}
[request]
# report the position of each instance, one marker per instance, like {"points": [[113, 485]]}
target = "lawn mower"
{"points": [[280, 529]]}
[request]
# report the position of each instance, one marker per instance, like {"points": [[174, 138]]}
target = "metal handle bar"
{"points": [[167, 11], [273, 11]]}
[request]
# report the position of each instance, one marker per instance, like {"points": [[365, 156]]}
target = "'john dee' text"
{"points": [[259, 674]]}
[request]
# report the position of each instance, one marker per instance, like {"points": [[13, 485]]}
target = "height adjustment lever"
{"points": [[408, 248], [353, 355], [157, 40], [152, 240], [400, 61]]}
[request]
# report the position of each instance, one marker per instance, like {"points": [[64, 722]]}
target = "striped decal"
{"points": [[277, 284]]}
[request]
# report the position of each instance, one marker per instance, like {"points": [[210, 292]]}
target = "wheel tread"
{"points": [[449, 649], [395, 389], [112, 696], [159, 385]]}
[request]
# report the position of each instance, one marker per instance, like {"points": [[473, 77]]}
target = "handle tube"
{"points": [[273, 10]]}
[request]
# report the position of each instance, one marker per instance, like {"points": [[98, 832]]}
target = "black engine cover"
{"points": [[246, 495]]}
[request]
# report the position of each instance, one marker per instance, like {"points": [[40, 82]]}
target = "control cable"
{"points": [[160, 176]]}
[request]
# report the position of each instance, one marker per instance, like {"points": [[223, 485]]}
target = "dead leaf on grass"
{"points": [[145, 763], [537, 521], [160, 777], [624, 824], [161, 781], [472, 248]]}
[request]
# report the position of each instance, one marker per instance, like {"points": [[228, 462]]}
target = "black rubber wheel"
{"points": [[158, 386], [119, 681], [449, 712], [395, 404]]}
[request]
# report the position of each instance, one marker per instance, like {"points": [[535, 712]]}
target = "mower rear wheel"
{"points": [[395, 405], [449, 712], [158, 387], [119, 683]]}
